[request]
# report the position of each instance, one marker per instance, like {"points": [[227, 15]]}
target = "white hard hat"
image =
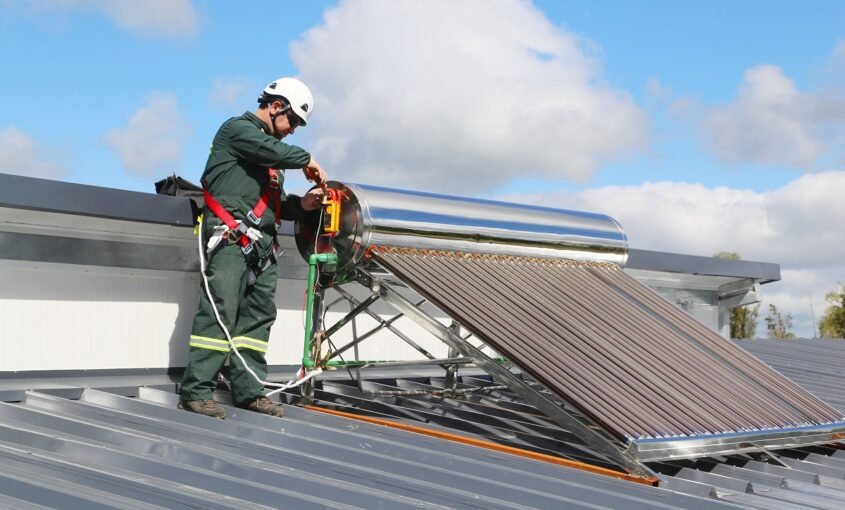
{"points": [[296, 93]]}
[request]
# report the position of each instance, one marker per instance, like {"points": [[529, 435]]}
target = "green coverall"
{"points": [[235, 175]]}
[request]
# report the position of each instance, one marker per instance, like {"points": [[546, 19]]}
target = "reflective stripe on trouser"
{"points": [[248, 312], [241, 342], [212, 344]]}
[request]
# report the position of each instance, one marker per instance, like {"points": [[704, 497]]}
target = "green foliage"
{"points": [[730, 255], [744, 321], [832, 324], [743, 318], [777, 325]]}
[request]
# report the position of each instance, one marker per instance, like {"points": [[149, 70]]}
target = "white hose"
{"points": [[302, 375]]}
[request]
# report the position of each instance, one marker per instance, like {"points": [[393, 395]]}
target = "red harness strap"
{"points": [[270, 193]]}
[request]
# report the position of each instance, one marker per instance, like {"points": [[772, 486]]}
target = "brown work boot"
{"points": [[263, 405], [204, 407]]}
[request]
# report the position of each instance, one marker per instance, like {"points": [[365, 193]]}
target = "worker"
{"points": [[245, 167]]}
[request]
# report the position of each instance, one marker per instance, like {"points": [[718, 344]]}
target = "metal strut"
{"points": [[382, 324], [315, 334]]}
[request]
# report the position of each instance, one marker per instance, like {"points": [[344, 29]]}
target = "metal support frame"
{"points": [[602, 444], [316, 335], [383, 324], [358, 307], [451, 383], [652, 450]]}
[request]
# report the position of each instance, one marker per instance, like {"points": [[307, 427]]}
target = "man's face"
{"points": [[287, 122]]}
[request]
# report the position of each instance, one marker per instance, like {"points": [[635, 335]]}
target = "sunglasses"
{"points": [[293, 119]]}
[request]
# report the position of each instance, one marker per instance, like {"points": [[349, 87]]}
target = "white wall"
{"points": [[62, 316]]}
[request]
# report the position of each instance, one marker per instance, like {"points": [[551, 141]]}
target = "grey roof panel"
{"points": [[91, 478], [313, 464], [47, 195], [68, 250], [698, 265], [817, 365], [145, 451], [771, 487], [155, 468], [76, 448]]}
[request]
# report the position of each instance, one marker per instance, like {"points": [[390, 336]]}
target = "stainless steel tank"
{"points": [[376, 216]]}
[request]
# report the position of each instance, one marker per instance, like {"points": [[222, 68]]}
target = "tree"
{"points": [[779, 326], [744, 321], [832, 324], [743, 318]]}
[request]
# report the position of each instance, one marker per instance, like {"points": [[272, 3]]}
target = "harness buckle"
{"points": [[255, 220], [241, 228], [247, 248]]}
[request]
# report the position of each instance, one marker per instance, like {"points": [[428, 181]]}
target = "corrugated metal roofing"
{"points": [[133, 449], [811, 477], [609, 345], [817, 365], [103, 450]]}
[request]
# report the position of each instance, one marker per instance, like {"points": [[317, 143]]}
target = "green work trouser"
{"points": [[248, 313]]}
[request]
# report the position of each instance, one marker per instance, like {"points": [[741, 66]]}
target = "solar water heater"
{"points": [[633, 376]]}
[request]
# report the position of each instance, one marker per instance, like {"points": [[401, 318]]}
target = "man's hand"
{"points": [[312, 200], [315, 173]]}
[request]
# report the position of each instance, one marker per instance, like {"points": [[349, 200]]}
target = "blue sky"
{"points": [[701, 49], [725, 119]]}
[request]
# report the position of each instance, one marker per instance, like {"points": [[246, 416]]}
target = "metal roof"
{"points": [[97, 449], [811, 477], [64, 446], [56, 196], [697, 265], [816, 364]]}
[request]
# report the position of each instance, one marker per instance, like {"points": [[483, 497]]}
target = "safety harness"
{"points": [[240, 231]]}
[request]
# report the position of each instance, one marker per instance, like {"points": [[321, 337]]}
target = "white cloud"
{"points": [[151, 144], [168, 18], [838, 59], [798, 226], [656, 89], [772, 122], [21, 154], [228, 92], [171, 18], [686, 109], [449, 95]]}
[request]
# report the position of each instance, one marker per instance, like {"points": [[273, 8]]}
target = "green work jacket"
{"points": [[236, 172]]}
